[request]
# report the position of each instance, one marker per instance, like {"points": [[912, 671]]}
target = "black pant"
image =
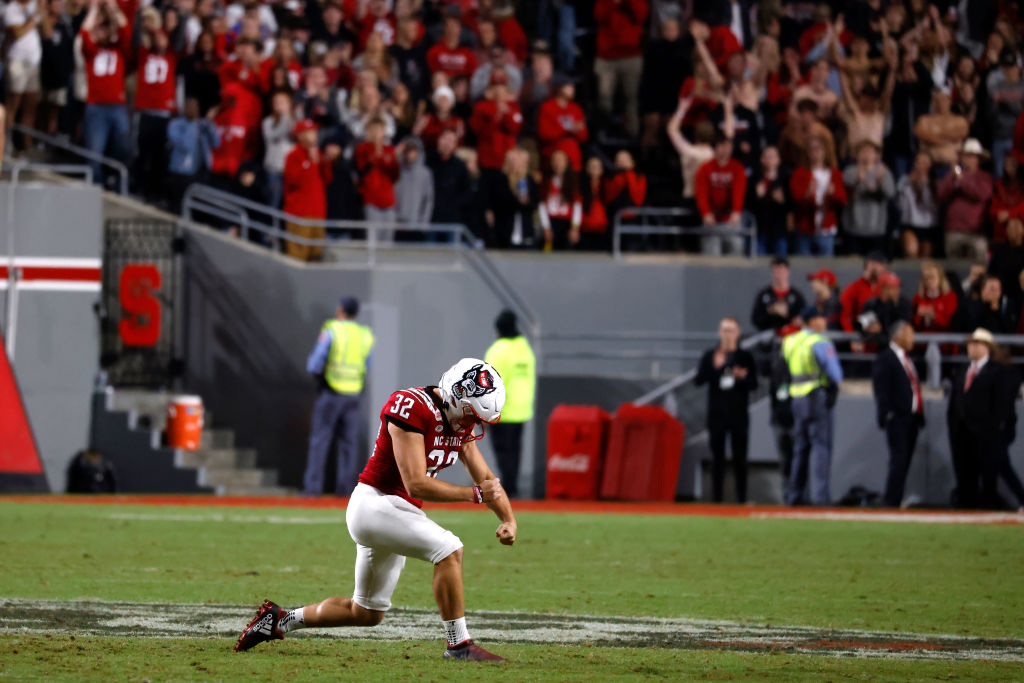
{"points": [[968, 449], [901, 434], [995, 465], [739, 435], [784, 447], [151, 161], [508, 445]]}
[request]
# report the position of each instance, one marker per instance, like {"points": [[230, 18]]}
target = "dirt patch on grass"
{"points": [[225, 621]]}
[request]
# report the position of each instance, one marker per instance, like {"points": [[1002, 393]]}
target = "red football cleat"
{"points": [[471, 652], [263, 627]]}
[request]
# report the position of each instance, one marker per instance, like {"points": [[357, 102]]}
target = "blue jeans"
{"points": [[335, 417], [275, 188], [775, 246], [564, 48], [822, 245], [106, 127], [812, 450], [1000, 148]]}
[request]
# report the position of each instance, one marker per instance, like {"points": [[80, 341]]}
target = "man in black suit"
{"points": [[900, 406], [973, 417], [731, 375]]}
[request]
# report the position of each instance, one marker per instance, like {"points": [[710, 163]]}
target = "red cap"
{"points": [[826, 276], [304, 125], [888, 279]]}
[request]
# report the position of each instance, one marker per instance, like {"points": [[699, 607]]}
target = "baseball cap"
{"points": [[350, 305], [824, 275], [304, 125], [779, 260], [811, 312], [888, 280], [877, 256]]}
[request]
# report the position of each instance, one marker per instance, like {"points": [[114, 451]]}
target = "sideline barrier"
{"points": [[645, 448], [577, 436]]}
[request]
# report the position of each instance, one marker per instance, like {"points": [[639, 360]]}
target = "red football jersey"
{"points": [[417, 410], [156, 89], [105, 67]]}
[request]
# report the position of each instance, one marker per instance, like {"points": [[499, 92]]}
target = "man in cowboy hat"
{"points": [[972, 417], [965, 194]]}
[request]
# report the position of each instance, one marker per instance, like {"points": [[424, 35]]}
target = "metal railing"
{"points": [[118, 166], [265, 220], [933, 357], [673, 229]]}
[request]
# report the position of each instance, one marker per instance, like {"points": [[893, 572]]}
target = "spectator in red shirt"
{"points": [[106, 37], [595, 220], [818, 193], [561, 124], [496, 121], [448, 56], [1008, 198], [862, 290], [719, 188], [378, 18], [625, 188], [560, 210], [155, 103], [377, 166], [965, 194], [307, 172], [619, 64], [429, 126], [935, 302]]}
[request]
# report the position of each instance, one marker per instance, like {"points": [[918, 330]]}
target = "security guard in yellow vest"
{"points": [[513, 358], [339, 361], [814, 377]]}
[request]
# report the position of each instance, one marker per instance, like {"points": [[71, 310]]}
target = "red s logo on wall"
{"points": [[140, 308]]}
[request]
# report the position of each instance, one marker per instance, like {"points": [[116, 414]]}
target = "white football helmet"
{"points": [[472, 390]]}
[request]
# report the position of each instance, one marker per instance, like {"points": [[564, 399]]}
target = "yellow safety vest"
{"points": [[513, 358], [346, 361], [805, 375]]}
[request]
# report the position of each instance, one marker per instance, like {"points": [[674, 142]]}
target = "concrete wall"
{"points": [[254, 316], [57, 343]]}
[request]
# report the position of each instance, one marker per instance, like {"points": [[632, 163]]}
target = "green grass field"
{"points": [[960, 580]]}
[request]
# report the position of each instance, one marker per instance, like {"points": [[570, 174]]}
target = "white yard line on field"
{"points": [[86, 617]]}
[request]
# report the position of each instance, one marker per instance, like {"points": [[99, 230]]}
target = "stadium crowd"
{"points": [[841, 127]]}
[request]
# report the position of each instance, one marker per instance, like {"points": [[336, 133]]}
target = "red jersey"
{"points": [[458, 61], [157, 85], [105, 67], [386, 26], [416, 410]]}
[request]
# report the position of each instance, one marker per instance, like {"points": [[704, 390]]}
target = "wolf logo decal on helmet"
{"points": [[475, 382]]}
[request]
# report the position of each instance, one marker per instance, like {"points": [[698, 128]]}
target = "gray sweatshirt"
{"points": [[414, 191], [866, 212], [277, 139]]}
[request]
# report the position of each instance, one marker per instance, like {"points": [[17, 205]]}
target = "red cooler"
{"points": [[645, 446], [576, 441]]}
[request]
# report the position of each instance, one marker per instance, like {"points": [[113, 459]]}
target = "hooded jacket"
{"points": [[414, 191]]}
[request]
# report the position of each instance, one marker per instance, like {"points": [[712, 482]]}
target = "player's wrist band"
{"points": [[478, 494]]}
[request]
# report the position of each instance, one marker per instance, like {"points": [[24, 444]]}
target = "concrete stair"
{"points": [[219, 465]]}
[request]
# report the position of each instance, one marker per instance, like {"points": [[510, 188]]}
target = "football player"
{"points": [[423, 430]]}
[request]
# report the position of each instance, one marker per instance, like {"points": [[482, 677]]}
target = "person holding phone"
{"points": [[731, 375]]}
